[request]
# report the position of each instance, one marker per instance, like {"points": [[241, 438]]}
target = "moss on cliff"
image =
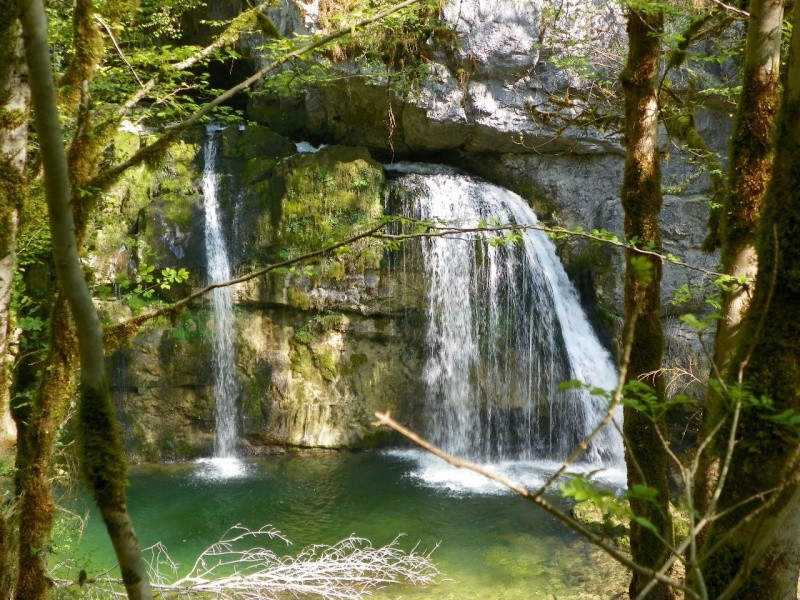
{"points": [[327, 197], [254, 142], [145, 218], [404, 41]]}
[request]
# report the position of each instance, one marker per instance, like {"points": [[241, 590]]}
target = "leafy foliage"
{"points": [[138, 291]]}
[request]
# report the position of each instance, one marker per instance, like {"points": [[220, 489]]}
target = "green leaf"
{"points": [[642, 492], [682, 295], [643, 522], [643, 270], [695, 323]]}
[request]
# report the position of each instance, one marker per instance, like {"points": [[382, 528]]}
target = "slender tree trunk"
{"points": [[102, 459], [14, 100], [758, 555], [38, 428], [751, 155], [641, 199]]}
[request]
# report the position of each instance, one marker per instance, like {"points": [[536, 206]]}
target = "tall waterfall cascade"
{"points": [[505, 329], [219, 269]]}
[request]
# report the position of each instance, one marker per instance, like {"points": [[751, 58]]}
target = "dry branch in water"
{"points": [[233, 570]]}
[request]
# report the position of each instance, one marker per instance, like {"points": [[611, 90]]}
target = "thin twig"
{"points": [[676, 553], [733, 9], [230, 569], [445, 231], [110, 33]]}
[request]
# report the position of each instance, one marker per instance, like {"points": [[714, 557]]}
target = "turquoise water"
{"points": [[491, 544]]}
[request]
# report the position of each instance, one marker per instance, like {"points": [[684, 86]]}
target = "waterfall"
{"points": [[219, 269], [505, 328]]}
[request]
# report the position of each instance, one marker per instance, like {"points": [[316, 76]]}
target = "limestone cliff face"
{"points": [[308, 377]]}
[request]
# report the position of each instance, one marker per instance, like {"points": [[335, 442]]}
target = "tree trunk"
{"points": [[14, 100], [102, 458], [750, 168], [750, 165], [38, 428], [758, 556], [641, 199]]}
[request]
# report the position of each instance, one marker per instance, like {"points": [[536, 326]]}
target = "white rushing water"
{"points": [[505, 329], [219, 269]]}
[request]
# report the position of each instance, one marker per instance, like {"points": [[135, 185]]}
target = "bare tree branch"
{"points": [[447, 231], [733, 9], [126, 328], [110, 33], [240, 567], [388, 421]]}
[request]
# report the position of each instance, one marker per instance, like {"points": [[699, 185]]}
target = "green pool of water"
{"points": [[491, 544]]}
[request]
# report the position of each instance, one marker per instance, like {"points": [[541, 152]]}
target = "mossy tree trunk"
{"points": [[757, 554], [38, 421], [641, 200], [750, 168], [38, 426], [14, 100], [102, 459]]}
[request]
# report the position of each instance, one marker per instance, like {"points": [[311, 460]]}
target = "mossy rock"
{"points": [[257, 170], [596, 520], [314, 328], [286, 116], [301, 359], [326, 363], [255, 141], [179, 171], [326, 197], [149, 217], [378, 438], [298, 299]]}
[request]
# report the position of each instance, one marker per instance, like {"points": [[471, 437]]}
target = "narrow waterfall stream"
{"points": [[505, 329], [219, 269]]}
